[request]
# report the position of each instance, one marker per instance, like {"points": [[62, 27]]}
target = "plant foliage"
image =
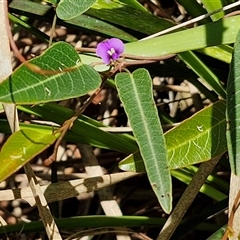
{"points": [[147, 82]]}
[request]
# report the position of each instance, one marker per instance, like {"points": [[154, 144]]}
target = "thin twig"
{"points": [[128, 56], [29, 65], [69, 123], [52, 30]]}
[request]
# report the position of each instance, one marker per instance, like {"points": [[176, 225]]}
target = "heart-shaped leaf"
{"points": [[25, 86], [20, 148]]}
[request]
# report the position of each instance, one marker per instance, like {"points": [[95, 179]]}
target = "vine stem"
{"points": [[128, 56], [69, 123], [117, 66]]}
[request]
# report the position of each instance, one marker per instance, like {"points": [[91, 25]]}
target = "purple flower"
{"points": [[110, 49]]}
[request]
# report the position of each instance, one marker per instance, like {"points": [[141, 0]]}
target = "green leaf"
{"points": [[203, 71], [222, 53], [194, 9], [197, 139], [54, 2], [221, 32], [135, 92], [233, 111], [209, 189], [30, 6], [212, 6], [84, 129], [27, 87], [92, 221], [99, 26], [81, 22], [218, 234], [191, 39], [1, 108], [112, 4], [68, 9], [129, 17], [20, 148], [131, 3]]}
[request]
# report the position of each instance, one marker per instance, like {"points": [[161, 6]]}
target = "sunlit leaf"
{"points": [[194, 9], [21, 147], [135, 92], [84, 130], [212, 6], [25, 86], [222, 53], [197, 139], [207, 35], [1, 108]]}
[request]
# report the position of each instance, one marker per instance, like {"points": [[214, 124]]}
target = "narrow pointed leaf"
{"points": [[195, 140], [207, 35], [211, 6], [85, 129], [203, 71], [68, 9], [233, 111], [20, 148], [25, 86], [118, 4], [82, 21], [135, 92], [128, 17]]}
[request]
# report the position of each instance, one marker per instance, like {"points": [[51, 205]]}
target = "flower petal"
{"points": [[110, 49], [102, 51], [117, 44], [115, 56]]}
